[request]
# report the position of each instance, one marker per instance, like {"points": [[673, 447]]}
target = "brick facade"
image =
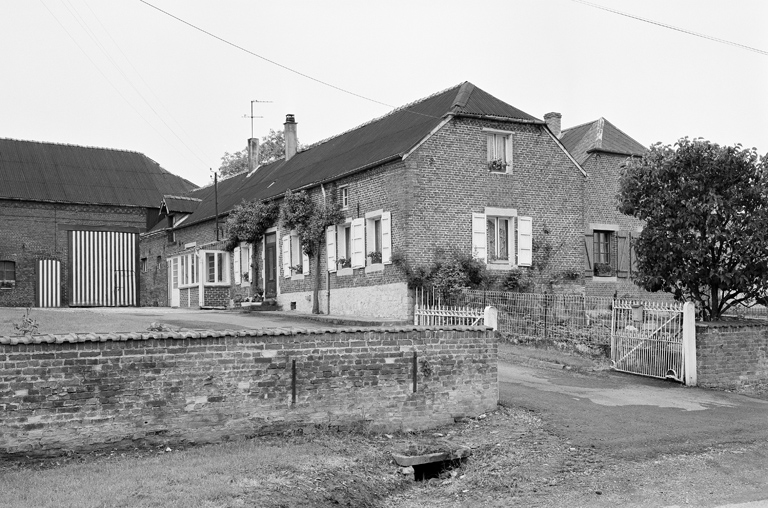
{"points": [[61, 393], [733, 356], [31, 230]]}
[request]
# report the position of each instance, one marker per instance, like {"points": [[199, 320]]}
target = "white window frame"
{"points": [[292, 253], [344, 191], [385, 241], [519, 238], [492, 136], [220, 278], [343, 249], [188, 270]]}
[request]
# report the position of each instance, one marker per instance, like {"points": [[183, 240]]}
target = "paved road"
{"points": [[633, 417]]}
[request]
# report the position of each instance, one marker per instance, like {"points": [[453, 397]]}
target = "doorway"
{"points": [[270, 265]]}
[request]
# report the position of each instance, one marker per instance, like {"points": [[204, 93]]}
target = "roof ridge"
{"points": [[392, 112], [627, 135], [78, 146]]}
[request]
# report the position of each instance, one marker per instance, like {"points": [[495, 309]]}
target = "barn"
{"points": [[70, 218]]}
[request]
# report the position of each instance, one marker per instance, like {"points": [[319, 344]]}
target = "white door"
{"points": [[173, 282]]}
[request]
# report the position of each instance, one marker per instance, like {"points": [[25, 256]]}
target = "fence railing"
{"points": [[433, 310]]}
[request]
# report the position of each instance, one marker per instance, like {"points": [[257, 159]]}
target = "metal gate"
{"points": [[48, 283], [102, 268], [647, 339]]}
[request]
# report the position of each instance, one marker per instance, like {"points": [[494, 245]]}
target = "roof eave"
{"points": [[505, 119], [613, 152]]}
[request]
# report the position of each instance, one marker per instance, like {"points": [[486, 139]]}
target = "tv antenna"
{"points": [[251, 115]]}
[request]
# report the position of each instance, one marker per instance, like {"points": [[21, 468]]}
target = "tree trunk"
{"points": [[316, 283]]}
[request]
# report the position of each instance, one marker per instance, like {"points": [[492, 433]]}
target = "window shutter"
{"points": [[287, 256], [358, 243], [623, 255], [330, 247], [304, 263], [509, 153], [524, 241], [489, 149], [386, 237], [236, 261], [479, 241], [588, 255], [632, 253]]}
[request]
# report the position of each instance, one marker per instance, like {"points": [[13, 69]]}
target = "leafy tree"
{"points": [[271, 148], [248, 222], [705, 208], [309, 219]]}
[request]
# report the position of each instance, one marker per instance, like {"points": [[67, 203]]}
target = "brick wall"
{"points": [[78, 392], [733, 356], [30, 231]]}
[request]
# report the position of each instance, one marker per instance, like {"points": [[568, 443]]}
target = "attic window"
{"points": [[498, 151]]}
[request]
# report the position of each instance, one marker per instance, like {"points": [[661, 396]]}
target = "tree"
{"points": [[705, 208], [248, 222], [309, 219], [271, 148]]}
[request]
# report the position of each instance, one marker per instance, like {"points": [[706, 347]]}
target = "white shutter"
{"points": [[479, 241], [524, 241], [304, 264], [386, 237], [358, 243], [287, 256], [236, 259], [330, 247]]}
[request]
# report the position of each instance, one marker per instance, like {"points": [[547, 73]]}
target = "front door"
{"points": [[174, 295], [270, 265]]}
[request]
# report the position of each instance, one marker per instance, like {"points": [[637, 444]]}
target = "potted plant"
{"points": [[375, 257], [603, 270], [344, 263], [298, 269], [497, 165]]}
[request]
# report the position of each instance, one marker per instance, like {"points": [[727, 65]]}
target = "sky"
{"points": [[122, 74]]}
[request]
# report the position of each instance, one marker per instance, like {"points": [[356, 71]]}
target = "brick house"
{"points": [[70, 217], [602, 149], [460, 168]]}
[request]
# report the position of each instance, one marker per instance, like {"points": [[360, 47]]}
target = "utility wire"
{"points": [[289, 69], [682, 30]]}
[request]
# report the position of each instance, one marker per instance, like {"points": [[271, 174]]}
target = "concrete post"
{"points": [[491, 317], [689, 343]]}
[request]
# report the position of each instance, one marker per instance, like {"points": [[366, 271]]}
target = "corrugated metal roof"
{"points": [[600, 135], [373, 143], [37, 171], [179, 204]]}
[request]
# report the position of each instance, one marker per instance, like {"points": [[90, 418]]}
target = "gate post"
{"points": [[689, 343], [491, 317]]}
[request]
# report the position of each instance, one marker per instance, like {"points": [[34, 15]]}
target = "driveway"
{"points": [[630, 416]]}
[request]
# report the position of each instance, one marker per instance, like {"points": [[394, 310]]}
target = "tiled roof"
{"points": [[36, 171], [374, 143], [601, 136]]}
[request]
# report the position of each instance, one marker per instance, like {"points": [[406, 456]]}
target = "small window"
{"points": [[499, 152], [171, 236], [159, 260], [601, 249], [7, 274], [215, 267], [345, 198], [144, 265]]}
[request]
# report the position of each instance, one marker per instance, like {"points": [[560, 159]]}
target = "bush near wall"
{"points": [[86, 391]]}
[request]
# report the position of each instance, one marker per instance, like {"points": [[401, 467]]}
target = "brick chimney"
{"points": [[253, 153], [553, 122], [291, 139]]}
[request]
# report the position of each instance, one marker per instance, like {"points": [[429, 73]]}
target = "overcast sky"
{"points": [[121, 74]]}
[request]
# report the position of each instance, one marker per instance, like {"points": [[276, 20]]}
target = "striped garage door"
{"points": [[48, 283], [103, 268]]}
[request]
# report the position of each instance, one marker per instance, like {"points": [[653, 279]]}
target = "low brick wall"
{"points": [[84, 391], [733, 356]]}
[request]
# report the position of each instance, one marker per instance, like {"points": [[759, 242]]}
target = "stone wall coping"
{"points": [[203, 334], [742, 323]]}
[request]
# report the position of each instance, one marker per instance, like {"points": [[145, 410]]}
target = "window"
{"points": [[7, 274], [338, 242], [608, 252], [215, 268], [344, 198], [499, 151], [295, 262], [171, 235], [143, 264], [378, 237], [187, 267], [502, 239]]}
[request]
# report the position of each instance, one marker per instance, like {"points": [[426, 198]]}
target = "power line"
{"points": [[671, 27], [325, 83]]}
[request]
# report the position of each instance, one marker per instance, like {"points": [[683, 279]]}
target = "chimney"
{"points": [[291, 139], [553, 122], [253, 153]]}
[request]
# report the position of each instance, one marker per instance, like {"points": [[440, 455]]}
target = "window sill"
{"points": [[597, 278], [499, 266], [214, 284], [298, 276], [500, 172], [376, 267], [7, 289], [345, 272]]}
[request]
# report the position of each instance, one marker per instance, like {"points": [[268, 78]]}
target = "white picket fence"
{"points": [[431, 310]]}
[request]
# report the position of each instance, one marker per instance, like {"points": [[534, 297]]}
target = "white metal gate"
{"points": [[647, 339], [103, 268]]}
